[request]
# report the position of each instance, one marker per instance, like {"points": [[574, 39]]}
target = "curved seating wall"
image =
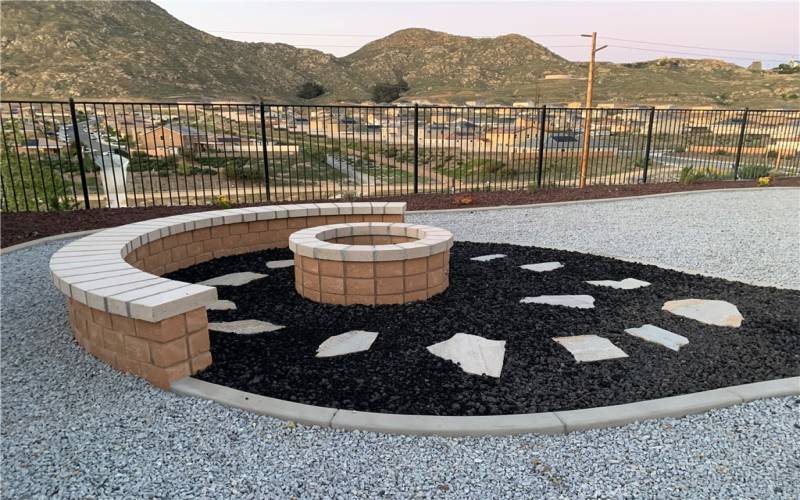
{"points": [[126, 315]]}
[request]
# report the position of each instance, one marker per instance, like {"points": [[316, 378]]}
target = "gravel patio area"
{"points": [[73, 427]]}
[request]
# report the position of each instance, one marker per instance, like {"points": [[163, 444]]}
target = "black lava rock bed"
{"points": [[398, 375]]}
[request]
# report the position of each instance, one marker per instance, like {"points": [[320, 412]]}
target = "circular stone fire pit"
{"points": [[371, 262]]}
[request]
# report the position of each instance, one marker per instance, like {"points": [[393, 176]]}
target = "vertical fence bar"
{"points": [[540, 159], [79, 151], [416, 148], [740, 144], [39, 162], [19, 163], [11, 170], [648, 145]]}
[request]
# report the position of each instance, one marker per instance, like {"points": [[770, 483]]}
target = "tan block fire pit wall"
{"points": [[371, 262]]}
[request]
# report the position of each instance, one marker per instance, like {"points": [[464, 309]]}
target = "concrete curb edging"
{"points": [[262, 405], [558, 422], [46, 239]]}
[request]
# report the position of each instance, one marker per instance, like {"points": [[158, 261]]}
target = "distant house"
{"points": [[365, 129], [46, 144], [170, 136], [698, 129], [563, 138], [731, 126], [510, 136], [466, 127], [322, 126]]}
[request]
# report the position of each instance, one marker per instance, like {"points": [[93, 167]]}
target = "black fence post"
{"points": [[649, 143], [540, 161], [739, 145], [78, 147], [416, 148], [264, 148]]}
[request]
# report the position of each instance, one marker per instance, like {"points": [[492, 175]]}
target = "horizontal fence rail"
{"points": [[63, 155]]}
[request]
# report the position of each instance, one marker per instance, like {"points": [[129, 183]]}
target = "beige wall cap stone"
{"points": [[344, 208], [384, 253], [172, 303], [118, 303], [362, 208], [395, 207]]}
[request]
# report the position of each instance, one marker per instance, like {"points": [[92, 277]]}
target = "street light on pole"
{"points": [[587, 120]]}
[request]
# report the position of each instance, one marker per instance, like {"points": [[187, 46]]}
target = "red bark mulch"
{"points": [[25, 226]]}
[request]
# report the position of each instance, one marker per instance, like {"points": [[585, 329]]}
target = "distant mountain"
{"points": [[431, 60], [136, 50]]}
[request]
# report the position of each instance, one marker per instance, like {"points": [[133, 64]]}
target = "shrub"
{"points": [[222, 202], [388, 92], [142, 162], [787, 69], [349, 196], [60, 203], [764, 181], [490, 167], [690, 175], [194, 170], [753, 171], [212, 161], [310, 90], [245, 172]]}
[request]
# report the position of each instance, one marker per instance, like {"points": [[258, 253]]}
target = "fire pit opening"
{"points": [[371, 263]]}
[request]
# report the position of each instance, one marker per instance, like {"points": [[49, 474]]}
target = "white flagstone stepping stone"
{"points": [[577, 301], [626, 284], [710, 312], [221, 305], [473, 354], [586, 348], [486, 258], [244, 326], [233, 279], [652, 333], [543, 266], [346, 343], [277, 264]]}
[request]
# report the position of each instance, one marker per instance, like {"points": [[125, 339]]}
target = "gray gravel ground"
{"points": [[749, 236], [72, 427]]}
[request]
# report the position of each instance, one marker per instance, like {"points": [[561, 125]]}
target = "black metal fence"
{"points": [[61, 155]]}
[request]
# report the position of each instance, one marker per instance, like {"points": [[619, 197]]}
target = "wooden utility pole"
{"points": [[587, 117]]}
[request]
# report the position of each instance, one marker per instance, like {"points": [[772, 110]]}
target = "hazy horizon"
{"points": [[737, 32]]}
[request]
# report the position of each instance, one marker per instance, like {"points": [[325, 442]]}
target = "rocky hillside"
{"points": [[433, 60], [136, 50]]}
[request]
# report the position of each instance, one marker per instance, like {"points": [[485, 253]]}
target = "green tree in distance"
{"points": [[310, 90], [388, 92]]}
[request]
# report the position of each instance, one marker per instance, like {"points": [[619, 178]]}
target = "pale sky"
{"points": [[738, 32]]}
